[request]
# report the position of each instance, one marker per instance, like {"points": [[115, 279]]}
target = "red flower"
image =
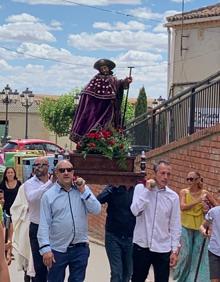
{"points": [[106, 134], [93, 135], [91, 145], [111, 142], [78, 145]]}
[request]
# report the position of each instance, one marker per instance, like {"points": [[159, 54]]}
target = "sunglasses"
{"points": [[191, 179], [39, 165], [68, 169]]}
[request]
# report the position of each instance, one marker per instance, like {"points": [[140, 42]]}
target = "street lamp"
{"points": [[7, 97], [27, 99]]}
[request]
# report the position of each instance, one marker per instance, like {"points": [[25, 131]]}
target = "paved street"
{"points": [[97, 271]]}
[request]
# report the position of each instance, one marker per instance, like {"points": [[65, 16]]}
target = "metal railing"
{"points": [[191, 110]]}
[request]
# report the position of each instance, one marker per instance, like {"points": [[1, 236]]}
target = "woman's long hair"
{"points": [[5, 179], [200, 184]]}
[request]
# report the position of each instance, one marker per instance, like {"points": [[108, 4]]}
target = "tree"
{"points": [[129, 115], [141, 130], [57, 114], [141, 105]]}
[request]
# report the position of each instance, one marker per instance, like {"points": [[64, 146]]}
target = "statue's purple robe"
{"points": [[99, 106]]}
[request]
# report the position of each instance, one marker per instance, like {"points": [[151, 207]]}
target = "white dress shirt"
{"points": [[158, 225], [34, 189]]}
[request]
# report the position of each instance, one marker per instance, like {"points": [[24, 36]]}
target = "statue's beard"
{"points": [[105, 72]]}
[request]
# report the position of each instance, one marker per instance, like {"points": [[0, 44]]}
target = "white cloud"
{"points": [[24, 27], [131, 25], [22, 18], [4, 65], [57, 78], [118, 40], [82, 2], [145, 13], [55, 25]]}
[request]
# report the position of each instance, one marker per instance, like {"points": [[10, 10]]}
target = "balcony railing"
{"points": [[191, 110]]}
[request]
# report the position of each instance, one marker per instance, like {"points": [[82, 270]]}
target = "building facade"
{"points": [[194, 47]]}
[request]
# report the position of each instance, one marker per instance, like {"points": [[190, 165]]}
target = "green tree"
{"points": [[141, 130], [129, 115], [57, 114], [141, 105]]}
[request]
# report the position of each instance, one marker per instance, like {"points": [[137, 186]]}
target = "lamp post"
{"points": [[27, 99], [7, 97]]}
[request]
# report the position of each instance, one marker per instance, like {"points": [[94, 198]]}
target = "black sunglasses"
{"points": [[39, 165], [68, 169], [191, 179]]}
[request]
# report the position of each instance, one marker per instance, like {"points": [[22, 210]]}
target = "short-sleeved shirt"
{"points": [[213, 216]]}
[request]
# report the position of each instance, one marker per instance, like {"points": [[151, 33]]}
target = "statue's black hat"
{"points": [[104, 62]]}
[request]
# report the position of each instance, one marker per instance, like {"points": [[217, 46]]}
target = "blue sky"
{"points": [[50, 46]]}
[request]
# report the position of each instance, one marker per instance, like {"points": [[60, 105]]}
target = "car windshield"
{"points": [[10, 146]]}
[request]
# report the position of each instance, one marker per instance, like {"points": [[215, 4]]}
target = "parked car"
{"points": [[31, 144]]}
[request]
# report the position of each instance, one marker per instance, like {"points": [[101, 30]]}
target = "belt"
{"points": [[83, 244]]}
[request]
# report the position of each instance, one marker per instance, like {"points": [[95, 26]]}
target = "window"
{"points": [[34, 146], [51, 148], [11, 146]]}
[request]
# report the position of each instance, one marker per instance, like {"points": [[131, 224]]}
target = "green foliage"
{"points": [[141, 105], [57, 114], [141, 130], [129, 115]]}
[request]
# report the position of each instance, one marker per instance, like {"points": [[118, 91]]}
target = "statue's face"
{"points": [[104, 70]]}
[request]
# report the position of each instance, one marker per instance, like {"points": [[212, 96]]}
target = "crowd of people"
{"points": [[146, 225]]}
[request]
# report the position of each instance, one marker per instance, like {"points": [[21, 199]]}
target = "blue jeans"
{"points": [[119, 252], [76, 258]]}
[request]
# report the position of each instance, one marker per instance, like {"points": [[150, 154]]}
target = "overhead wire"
{"points": [[110, 11]]}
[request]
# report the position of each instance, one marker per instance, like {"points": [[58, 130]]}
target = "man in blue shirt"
{"points": [[63, 228]]}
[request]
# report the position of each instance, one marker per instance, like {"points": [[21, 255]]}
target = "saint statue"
{"points": [[100, 102]]}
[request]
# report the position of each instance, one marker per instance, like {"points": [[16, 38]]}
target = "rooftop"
{"points": [[204, 12]]}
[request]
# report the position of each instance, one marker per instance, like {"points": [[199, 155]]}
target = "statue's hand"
{"points": [[129, 79]]}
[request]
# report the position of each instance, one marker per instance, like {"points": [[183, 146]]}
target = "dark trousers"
{"points": [[76, 258], [39, 267], [143, 258], [119, 252]]}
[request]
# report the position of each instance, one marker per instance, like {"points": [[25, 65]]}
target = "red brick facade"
{"points": [[199, 152]]}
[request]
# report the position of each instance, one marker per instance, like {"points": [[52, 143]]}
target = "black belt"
{"points": [[83, 244]]}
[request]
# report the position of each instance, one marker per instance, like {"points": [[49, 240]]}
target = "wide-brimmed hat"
{"points": [[104, 62]]}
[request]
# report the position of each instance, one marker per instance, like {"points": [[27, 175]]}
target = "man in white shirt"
{"points": [[34, 189], [158, 227]]}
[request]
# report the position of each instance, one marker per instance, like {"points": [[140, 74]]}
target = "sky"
{"points": [[50, 46]]}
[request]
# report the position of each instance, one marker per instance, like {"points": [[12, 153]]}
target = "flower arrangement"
{"points": [[109, 143]]}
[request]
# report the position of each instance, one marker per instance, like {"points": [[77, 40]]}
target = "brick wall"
{"points": [[198, 152], [97, 222]]}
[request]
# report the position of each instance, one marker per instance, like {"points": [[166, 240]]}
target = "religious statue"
{"points": [[100, 102]]}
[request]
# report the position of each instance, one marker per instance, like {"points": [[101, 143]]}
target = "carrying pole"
{"points": [[126, 99], [200, 257]]}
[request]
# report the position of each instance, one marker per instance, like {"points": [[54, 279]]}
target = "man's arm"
{"points": [[140, 199], [44, 226], [175, 225], [36, 194], [175, 232], [105, 195], [4, 275], [91, 203]]}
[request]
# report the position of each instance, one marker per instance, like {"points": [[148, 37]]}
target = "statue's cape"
{"points": [[99, 106]]}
